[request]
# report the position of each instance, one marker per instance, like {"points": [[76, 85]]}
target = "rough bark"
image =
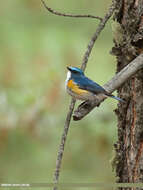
{"points": [[128, 40]]}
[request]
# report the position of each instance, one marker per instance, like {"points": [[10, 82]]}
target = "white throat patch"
{"points": [[68, 77]]}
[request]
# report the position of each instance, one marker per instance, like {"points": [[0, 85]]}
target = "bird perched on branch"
{"points": [[82, 88]]}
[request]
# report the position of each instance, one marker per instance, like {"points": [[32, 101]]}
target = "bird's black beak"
{"points": [[69, 68]]}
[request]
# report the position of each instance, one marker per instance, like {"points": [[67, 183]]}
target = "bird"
{"points": [[82, 88]]}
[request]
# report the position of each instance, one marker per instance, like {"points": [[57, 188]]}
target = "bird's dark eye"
{"points": [[74, 71]]}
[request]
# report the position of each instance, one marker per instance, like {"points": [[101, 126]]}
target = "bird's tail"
{"points": [[116, 98]]}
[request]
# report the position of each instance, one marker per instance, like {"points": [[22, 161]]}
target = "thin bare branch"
{"points": [[96, 34], [71, 107], [110, 86], [69, 15], [62, 144]]}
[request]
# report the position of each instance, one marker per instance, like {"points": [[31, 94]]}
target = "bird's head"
{"points": [[74, 72]]}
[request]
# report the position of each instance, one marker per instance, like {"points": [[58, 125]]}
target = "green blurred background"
{"points": [[35, 48]]}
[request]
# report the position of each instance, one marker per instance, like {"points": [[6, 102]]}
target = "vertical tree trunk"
{"points": [[128, 39]]}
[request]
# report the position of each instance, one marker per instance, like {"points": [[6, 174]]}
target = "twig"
{"points": [[110, 86], [96, 34], [69, 15], [62, 144], [71, 108]]}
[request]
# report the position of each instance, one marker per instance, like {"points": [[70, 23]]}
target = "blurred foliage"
{"points": [[35, 49]]}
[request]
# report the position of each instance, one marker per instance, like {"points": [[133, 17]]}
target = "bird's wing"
{"points": [[89, 85]]}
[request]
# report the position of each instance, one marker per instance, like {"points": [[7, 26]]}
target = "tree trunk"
{"points": [[128, 40]]}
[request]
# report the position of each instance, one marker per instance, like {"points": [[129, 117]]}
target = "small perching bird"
{"points": [[82, 88]]}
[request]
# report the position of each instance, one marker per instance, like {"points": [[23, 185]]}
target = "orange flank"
{"points": [[74, 88]]}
